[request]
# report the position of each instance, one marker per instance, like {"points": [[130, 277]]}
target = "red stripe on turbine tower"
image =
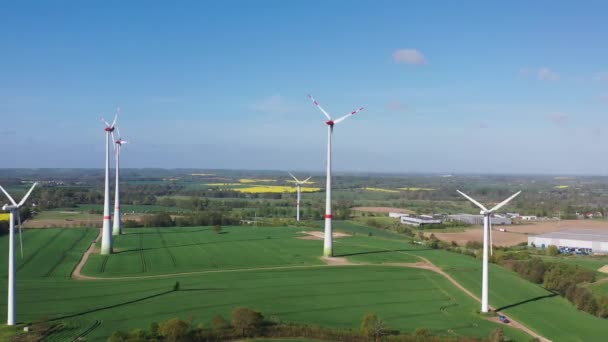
{"points": [[329, 216], [106, 217]]}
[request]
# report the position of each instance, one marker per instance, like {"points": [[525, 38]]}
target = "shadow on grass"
{"points": [[131, 302], [188, 245], [114, 306], [526, 301], [165, 230], [381, 251]]}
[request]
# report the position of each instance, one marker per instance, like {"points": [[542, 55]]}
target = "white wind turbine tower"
{"points": [[14, 211], [487, 241], [117, 226], [299, 185], [106, 231], [327, 241]]}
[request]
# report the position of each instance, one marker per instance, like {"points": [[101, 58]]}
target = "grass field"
{"points": [[332, 296], [303, 291]]}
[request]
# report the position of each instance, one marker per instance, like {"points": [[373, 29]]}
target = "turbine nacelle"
{"points": [[330, 122], [109, 129], [8, 207]]}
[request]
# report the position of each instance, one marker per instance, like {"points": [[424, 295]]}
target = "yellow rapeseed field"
{"points": [[293, 181], [202, 174], [223, 184], [417, 189], [380, 190], [247, 180], [562, 186], [4, 216], [273, 188]]}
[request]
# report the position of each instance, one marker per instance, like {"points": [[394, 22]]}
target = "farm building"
{"points": [[419, 220], [478, 219], [595, 240], [396, 215]]}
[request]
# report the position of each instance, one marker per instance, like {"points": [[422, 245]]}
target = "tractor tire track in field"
{"points": [[144, 265], [94, 326], [33, 255], [65, 254], [104, 262], [162, 240]]}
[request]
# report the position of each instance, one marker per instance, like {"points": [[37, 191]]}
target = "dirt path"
{"points": [[329, 262], [77, 271], [428, 265]]}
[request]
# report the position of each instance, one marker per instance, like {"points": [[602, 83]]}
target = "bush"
{"points": [[218, 322], [174, 330], [552, 250], [373, 327], [247, 321]]}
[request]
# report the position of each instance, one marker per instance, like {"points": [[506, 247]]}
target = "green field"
{"points": [[228, 271]]}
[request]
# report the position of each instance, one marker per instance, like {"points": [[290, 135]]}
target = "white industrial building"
{"points": [[419, 220], [594, 239], [478, 219], [397, 215]]}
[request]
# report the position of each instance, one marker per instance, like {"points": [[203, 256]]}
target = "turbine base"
{"points": [[328, 252]]}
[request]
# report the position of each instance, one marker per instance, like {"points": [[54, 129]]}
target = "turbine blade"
{"points": [[7, 195], [27, 195], [114, 140], [472, 200], [306, 180], [105, 122], [118, 132], [20, 232], [319, 106], [294, 177], [116, 116], [348, 115], [503, 203]]}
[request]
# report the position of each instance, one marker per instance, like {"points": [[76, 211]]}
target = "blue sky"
{"points": [[475, 86]]}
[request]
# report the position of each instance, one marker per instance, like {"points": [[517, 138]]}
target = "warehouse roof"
{"points": [[586, 234]]}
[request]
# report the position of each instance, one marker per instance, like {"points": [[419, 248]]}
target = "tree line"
{"points": [[246, 323]]}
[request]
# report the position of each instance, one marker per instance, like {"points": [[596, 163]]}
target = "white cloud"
{"points": [[601, 77], [409, 56], [273, 104], [558, 118], [546, 74]]}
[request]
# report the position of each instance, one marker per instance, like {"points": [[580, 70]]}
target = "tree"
{"points": [[373, 327], [174, 330], [552, 250], [247, 321], [218, 322]]}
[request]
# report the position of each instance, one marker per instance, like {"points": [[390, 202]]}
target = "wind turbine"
{"points": [[106, 231], [14, 210], [327, 241], [117, 227], [299, 185], [487, 240]]}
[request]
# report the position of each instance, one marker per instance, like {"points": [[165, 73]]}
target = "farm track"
{"points": [[65, 255], [94, 326], [33, 255], [144, 266], [104, 262], [162, 240]]}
